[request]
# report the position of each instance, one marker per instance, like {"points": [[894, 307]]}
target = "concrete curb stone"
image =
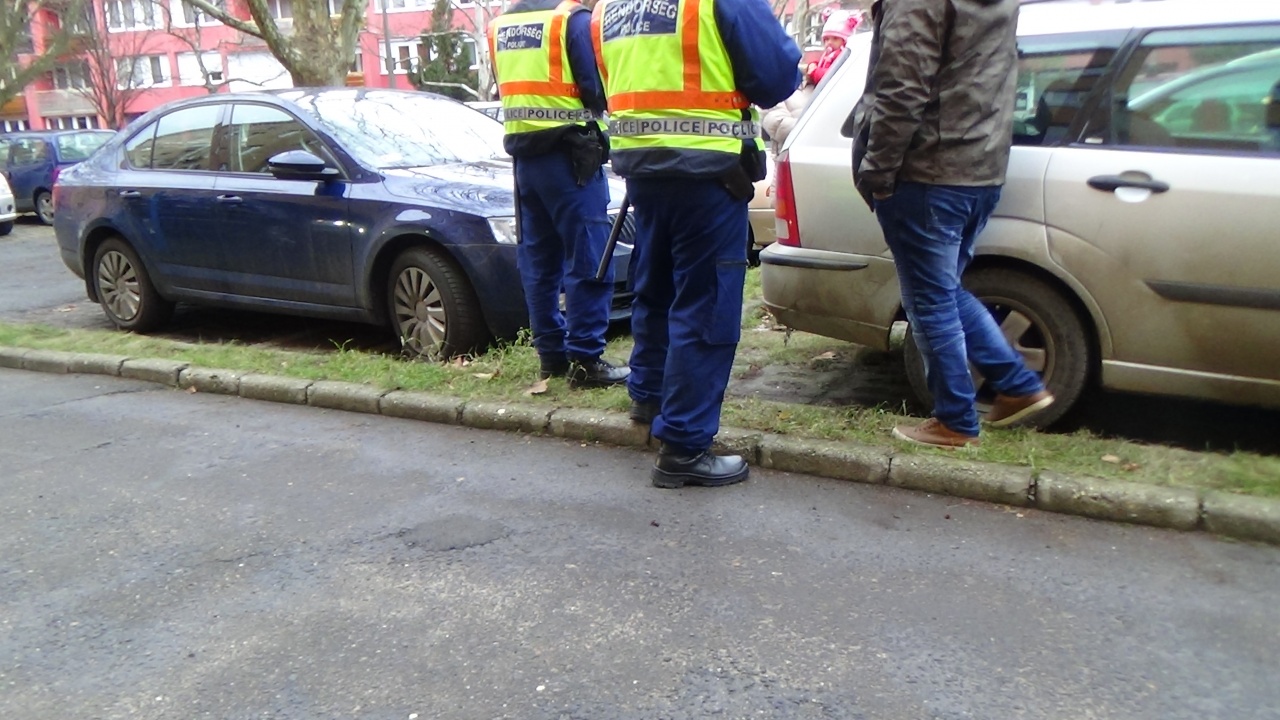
{"points": [[506, 416], [1177, 508], [50, 361], [274, 389], [339, 395], [165, 372], [96, 364], [598, 425], [1237, 516], [11, 357], [992, 482], [841, 461], [1240, 516], [219, 382], [422, 406]]}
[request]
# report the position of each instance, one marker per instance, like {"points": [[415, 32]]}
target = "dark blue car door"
{"points": [[283, 239], [166, 192], [30, 162]]}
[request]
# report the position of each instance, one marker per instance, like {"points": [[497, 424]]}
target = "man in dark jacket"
{"points": [[936, 125]]}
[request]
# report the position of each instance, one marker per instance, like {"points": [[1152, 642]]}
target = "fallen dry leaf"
{"points": [[1130, 466], [826, 355], [537, 388], [1111, 459], [459, 362], [483, 376]]}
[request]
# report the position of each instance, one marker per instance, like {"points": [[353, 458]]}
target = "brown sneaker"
{"points": [[1009, 410], [935, 434]]}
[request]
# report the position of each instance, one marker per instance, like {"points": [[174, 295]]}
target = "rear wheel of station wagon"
{"points": [[1040, 324]]}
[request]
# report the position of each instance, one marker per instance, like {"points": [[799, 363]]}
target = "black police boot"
{"points": [[553, 366], [676, 471], [596, 373], [643, 413]]}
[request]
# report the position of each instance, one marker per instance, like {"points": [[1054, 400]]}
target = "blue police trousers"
{"points": [[690, 261], [564, 229]]}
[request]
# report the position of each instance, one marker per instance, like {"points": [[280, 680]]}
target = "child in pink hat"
{"points": [[836, 30]]}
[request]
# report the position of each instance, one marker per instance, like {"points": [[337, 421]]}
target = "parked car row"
{"points": [[32, 160], [1135, 241], [377, 206]]}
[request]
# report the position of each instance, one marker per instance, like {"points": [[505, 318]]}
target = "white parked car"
{"points": [[1135, 241], [8, 212]]}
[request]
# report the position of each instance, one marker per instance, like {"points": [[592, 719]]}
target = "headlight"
{"points": [[504, 230]]}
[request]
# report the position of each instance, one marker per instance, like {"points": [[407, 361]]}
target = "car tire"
{"points": [[6, 227], [124, 289], [432, 306], [44, 207], [1040, 323]]}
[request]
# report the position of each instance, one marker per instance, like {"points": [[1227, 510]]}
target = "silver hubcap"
{"points": [[118, 285], [420, 314], [44, 206], [1024, 337]]}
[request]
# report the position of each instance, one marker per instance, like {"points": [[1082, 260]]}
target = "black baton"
{"points": [[614, 233]]}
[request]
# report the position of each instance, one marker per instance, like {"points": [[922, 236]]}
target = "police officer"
{"points": [[552, 104], [681, 77]]}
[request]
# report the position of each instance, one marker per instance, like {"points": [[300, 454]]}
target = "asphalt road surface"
{"points": [[36, 287], [165, 554]]}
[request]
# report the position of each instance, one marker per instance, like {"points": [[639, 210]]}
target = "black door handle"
{"points": [[1111, 183], [130, 194], [230, 199]]}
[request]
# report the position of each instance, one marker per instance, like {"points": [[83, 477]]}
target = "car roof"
{"points": [[51, 133], [1067, 16]]}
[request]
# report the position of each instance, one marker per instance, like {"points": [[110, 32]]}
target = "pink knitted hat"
{"points": [[841, 24]]}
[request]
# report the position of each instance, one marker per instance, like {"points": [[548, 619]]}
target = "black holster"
{"points": [[741, 178], [588, 149]]}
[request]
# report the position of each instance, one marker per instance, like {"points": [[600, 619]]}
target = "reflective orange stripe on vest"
{"points": [[556, 47], [692, 97]]}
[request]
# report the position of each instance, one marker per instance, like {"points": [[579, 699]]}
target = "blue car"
{"points": [[376, 206], [32, 161]]}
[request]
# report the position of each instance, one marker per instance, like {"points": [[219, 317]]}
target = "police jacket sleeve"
{"points": [[911, 46], [766, 61], [582, 60]]}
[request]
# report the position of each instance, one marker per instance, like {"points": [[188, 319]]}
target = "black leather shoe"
{"points": [[596, 373], [705, 469], [553, 366], [643, 413]]}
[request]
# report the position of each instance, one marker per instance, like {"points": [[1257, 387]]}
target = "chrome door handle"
{"points": [[230, 199], [130, 194], [1111, 183]]}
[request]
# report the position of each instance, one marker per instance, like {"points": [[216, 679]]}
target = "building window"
{"points": [[195, 69], [142, 71], [78, 23], [192, 15], [18, 125], [133, 15], [357, 65], [407, 55], [280, 9], [71, 76], [405, 5], [71, 122]]}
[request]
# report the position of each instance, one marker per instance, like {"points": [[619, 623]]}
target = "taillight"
{"points": [[786, 223]]}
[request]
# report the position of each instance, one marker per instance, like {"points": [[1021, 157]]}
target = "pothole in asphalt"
{"points": [[455, 532]]}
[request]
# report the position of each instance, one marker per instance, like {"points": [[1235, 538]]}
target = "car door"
{"points": [[166, 191], [1168, 208], [283, 239], [30, 163]]}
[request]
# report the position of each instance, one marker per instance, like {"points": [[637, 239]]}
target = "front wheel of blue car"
{"points": [[124, 289], [432, 306]]}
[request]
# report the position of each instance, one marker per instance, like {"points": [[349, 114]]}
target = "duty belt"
{"points": [[685, 126], [537, 113]]}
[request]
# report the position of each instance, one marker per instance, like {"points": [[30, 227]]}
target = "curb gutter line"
{"points": [[1237, 516]]}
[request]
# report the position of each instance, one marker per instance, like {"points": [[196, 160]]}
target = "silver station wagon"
{"points": [[1137, 241]]}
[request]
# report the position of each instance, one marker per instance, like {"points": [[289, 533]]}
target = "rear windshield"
{"points": [[79, 146]]}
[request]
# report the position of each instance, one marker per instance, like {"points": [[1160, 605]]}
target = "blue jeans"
{"points": [[563, 229], [930, 229]]}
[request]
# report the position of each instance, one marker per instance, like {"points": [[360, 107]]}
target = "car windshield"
{"points": [[79, 146], [387, 129]]}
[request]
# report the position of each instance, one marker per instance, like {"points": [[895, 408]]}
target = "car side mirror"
{"points": [[301, 165]]}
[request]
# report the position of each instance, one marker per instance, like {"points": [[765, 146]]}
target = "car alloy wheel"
{"points": [[432, 307], [1039, 323], [44, 207], [124, 289]]}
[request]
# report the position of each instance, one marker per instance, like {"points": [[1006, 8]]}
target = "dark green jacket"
{"points": [[938, 107]]}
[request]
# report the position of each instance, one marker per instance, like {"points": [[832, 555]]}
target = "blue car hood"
{"points": [[484, 188]]}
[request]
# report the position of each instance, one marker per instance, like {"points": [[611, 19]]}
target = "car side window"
{"points": [[29, 151], [184, 139], [1056, 77], [260, 132], [1208, 89], [138, 149]]}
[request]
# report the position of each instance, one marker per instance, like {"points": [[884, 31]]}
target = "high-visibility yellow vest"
{"points": [[531, 62], [673, 104]]}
